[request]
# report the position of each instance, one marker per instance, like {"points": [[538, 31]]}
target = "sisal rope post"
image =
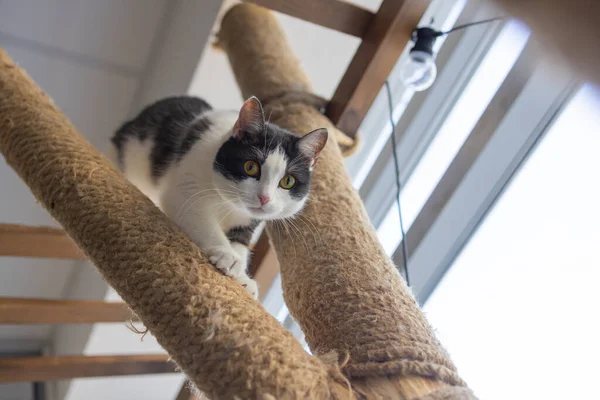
{"points": [[338, 283], [221, 338]]}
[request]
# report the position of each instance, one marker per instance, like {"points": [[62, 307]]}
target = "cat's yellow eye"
{"points": [[287, 182], [251, 168]]}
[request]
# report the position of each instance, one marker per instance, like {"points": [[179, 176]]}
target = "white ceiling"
{"points": [[89, 56], [92, 58]]}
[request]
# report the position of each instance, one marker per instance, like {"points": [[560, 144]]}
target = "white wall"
{"points": [[97, 60], [87, 56]]}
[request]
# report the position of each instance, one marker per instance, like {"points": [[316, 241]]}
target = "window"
{"points": [[455, 129], [525, 284], [375, 129]]}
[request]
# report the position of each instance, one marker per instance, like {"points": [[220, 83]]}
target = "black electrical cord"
{"points": [[464, 26], [398, 184], [483, 21], [427, 35]]}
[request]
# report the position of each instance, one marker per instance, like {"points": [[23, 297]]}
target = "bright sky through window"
{"points": [[518, 310]]}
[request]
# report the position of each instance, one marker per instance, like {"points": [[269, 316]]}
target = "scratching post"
{"points": [[357, 314], [338, 283], [220, 337]]}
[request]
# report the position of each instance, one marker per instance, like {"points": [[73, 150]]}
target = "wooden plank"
{"points": [[333, 14], [259, 252], [477, 140], [45, 311], [39, 369], [36, 241], [267, 273], [263, 265], [384, 41]]}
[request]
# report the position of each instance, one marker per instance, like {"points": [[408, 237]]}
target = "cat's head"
{"points": [[264, 170]]}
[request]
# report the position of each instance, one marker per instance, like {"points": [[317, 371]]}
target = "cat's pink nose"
{"points": [[264, 199]]}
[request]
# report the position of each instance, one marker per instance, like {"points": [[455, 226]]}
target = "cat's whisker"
{"points": [[209, 209], [240, 191], [294, 248], [226, 215], [192, 197], [294, 161], [237, 190], [298, 232], [266, 131], [312, 228], [265, 147], [277, 225], [217, 206], [283, 221]]}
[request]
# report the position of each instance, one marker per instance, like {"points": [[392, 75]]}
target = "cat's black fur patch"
{"points": [[242, 234], [168, 121], [194, 133], [235, 152]]}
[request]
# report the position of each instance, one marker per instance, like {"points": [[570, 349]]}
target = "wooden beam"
{"points": [[333, 14], [267, 273], [263, 265], [39, 369], [35, 241], [45, 311], [384, 41], [259, 252]]}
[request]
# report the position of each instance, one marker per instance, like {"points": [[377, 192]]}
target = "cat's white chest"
{"points": [[234, 219]]}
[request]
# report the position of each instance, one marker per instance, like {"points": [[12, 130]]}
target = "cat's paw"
{"points": [[249, 284], [227, 261]]}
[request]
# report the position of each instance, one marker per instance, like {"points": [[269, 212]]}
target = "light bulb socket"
{"points": [[424, 39]]}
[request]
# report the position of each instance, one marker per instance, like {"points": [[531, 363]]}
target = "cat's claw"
{"points": [[249, 284], [230, 263], [227, 262]]}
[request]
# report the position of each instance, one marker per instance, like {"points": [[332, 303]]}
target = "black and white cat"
{"points": [[217, 174]]}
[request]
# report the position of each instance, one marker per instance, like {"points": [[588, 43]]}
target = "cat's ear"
{"points": [[312, 143], [251, 119]]}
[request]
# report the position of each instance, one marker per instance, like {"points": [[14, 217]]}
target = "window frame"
{"points": [[547, 91], [457, 61]]}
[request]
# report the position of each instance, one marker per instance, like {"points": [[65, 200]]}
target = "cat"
{"points": [[218, 174]]}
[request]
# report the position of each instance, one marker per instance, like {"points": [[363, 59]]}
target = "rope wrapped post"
{"points": [[338, 283], [222, 339]]}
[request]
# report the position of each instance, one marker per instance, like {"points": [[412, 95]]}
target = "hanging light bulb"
{"points": [[419, 71]]}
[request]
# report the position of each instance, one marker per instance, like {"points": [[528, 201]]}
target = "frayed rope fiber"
{"points": [[222, 339], [338, 283]]}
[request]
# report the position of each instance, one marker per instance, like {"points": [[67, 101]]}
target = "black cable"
{"points": [[483, 21], [398, 184], [430, 33]]}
